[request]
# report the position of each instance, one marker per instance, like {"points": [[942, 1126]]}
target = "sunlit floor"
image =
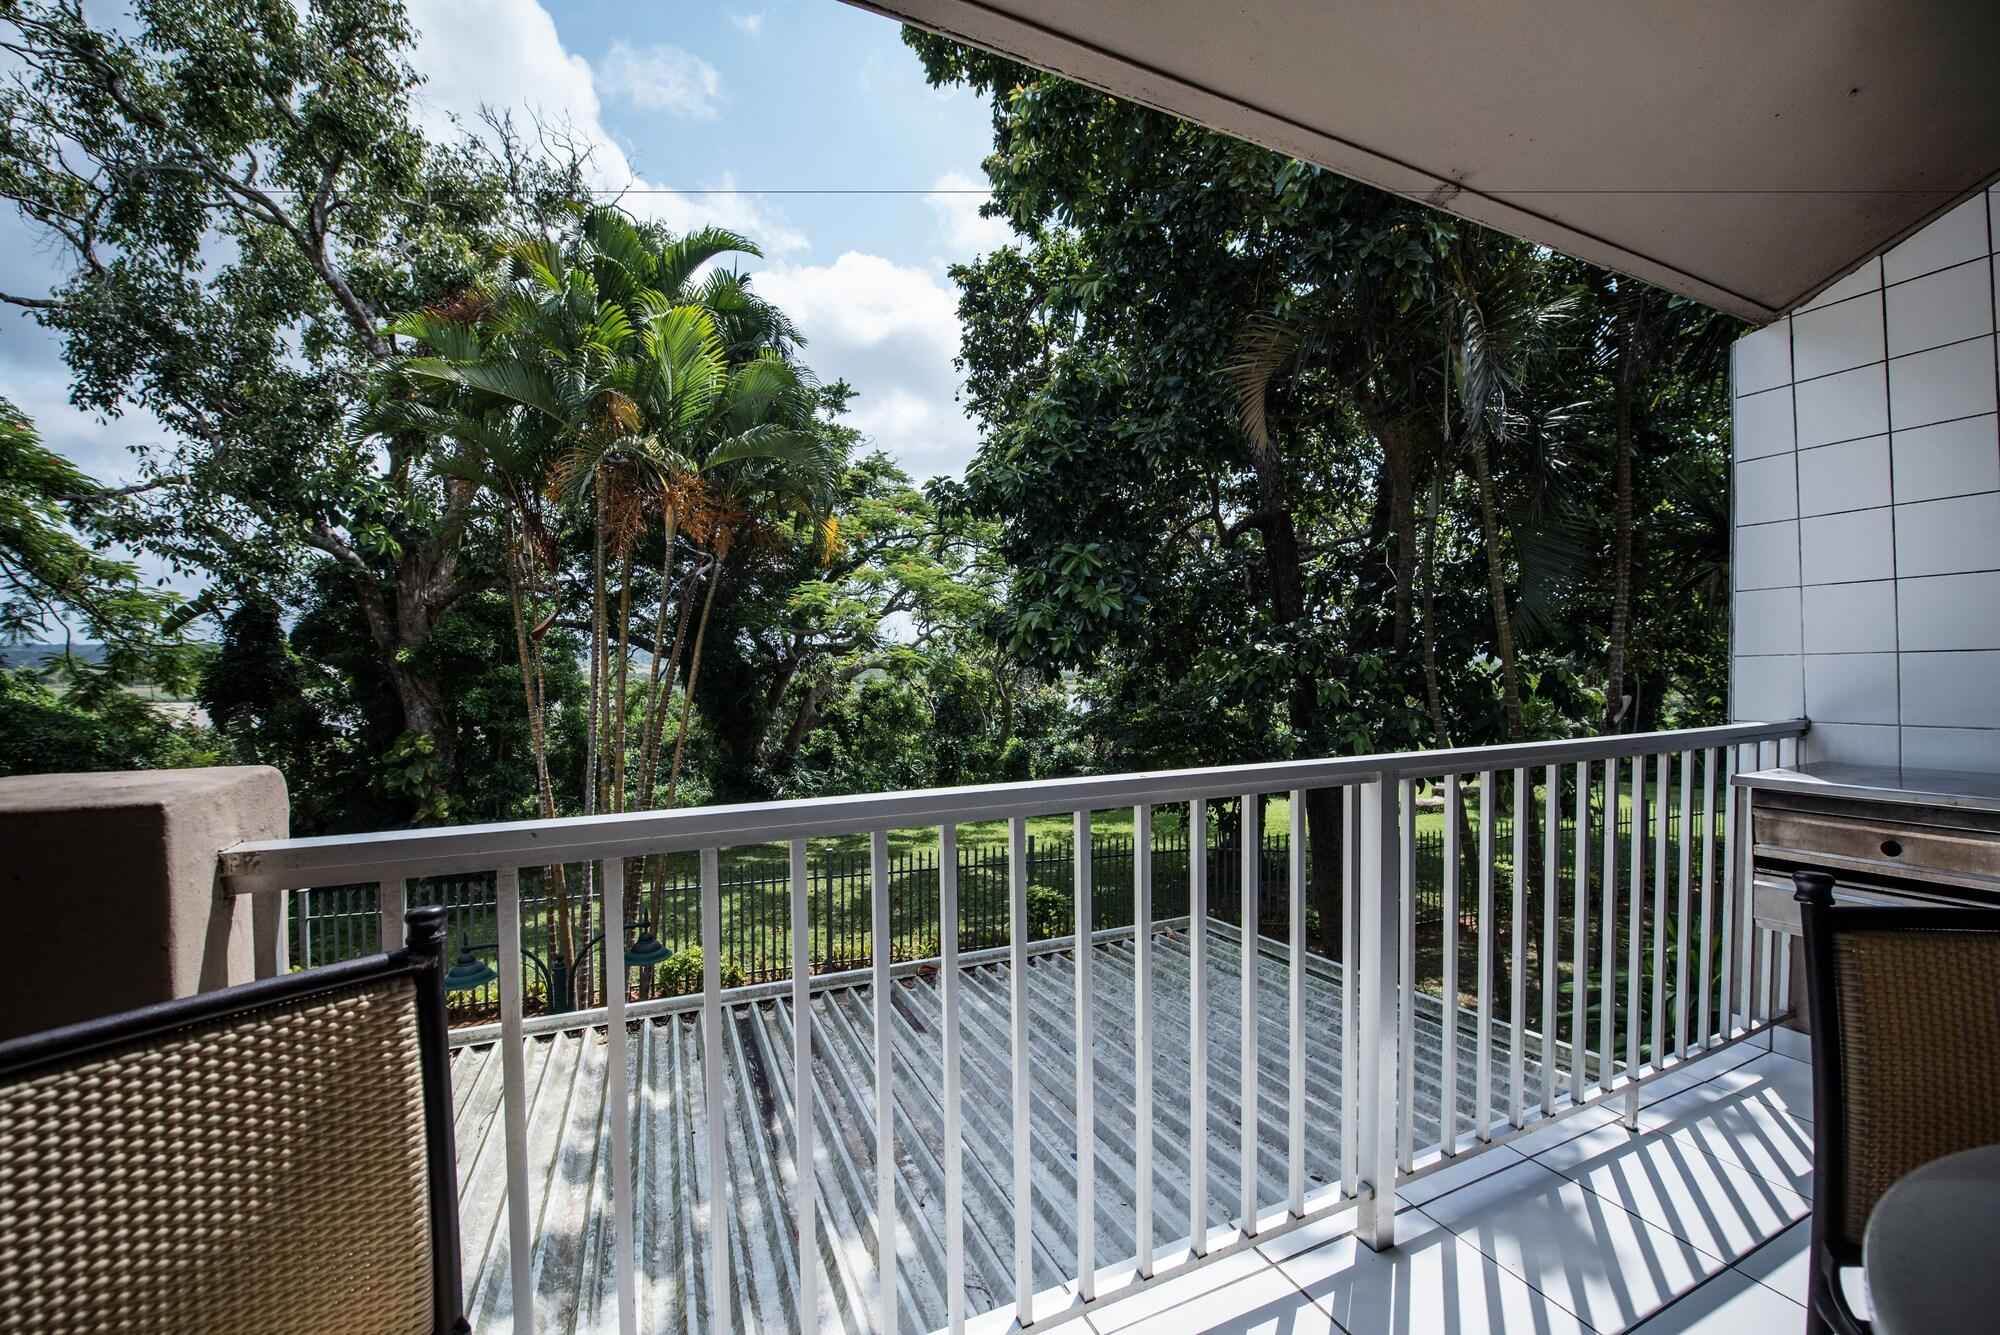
{"points": [[1580, 1225], [1698, 1222]]}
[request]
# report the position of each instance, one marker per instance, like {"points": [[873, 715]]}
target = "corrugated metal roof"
{"points": [[569, 1159]]}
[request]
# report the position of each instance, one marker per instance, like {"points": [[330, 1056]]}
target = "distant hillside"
{"points": [[24, 655]]}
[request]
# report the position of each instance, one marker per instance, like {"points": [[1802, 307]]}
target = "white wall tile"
{"points": [[1842, 407], [1763, 424], [1844, 548], [1767, 555], [1851, 688], [1853, 475], [1852, 744], [1838, 337], [1947, 612], [1865, 278], [1765, 689], [1952, 690], [1850, 618], [1925, 387], [1947, 459], [1939, 308], [1952, 748], [1766, 490], [1767, 621], [1948, 537], [1958, 236], [1763, 358]]}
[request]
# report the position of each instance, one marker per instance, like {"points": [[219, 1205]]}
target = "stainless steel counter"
{"points": [[1931, 788]]}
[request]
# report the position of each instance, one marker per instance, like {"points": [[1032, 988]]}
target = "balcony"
{"points": [[1444, 1122]]}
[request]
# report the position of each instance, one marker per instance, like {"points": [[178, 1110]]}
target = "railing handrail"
{"points": [[264, 865]]}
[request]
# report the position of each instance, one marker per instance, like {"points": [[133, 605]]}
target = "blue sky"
{"points": [[780, 95], [776, 96]]}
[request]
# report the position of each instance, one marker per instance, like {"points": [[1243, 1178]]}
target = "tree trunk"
{"points": [[620, 705], [591, 758], [529, 649], [1503, 621], [1433, 694], [694, 664], [1616, 700], [663, 664], [1288, 607]]}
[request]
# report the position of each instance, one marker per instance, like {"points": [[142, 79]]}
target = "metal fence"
{"points": [[330, 924], [1602, 953]]}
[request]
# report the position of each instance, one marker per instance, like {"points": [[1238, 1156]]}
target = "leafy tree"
{"points": [[1284, 465], [52, 578], [240, 193]]}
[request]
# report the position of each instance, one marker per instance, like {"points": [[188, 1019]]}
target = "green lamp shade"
{"points": [[646, 951], [468, 974]]}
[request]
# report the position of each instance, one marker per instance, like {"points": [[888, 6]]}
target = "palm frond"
{"points": [[1263, 347]]}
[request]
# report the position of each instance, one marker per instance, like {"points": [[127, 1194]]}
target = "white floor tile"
{"points": [[1784, 1262], [1177, 1294], [1698, 1071], [1721, 1208], [1787, 1077], [1468, 1169], [1741, 1119], [1727, 1305], [1261, 1303], [1431, 1281], [1569, 1128], [1791, 1043], [1584, 1252]]}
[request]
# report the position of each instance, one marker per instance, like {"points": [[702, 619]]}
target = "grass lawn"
{"points": [[756, 907]]}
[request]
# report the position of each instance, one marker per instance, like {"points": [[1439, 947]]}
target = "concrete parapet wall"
{"points": [[109, 887]]}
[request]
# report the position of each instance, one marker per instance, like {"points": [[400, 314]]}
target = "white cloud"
{"points": [[961, 230], [506, 55], [891, 331], [660, 78], [750, 23]]}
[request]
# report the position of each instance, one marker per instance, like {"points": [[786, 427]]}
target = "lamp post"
{"points": [[470, 972]]}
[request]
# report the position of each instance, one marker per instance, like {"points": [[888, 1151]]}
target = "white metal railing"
{"points": [[1405, 1107]]}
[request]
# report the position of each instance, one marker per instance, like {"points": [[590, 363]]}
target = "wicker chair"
{"points": [[1905, 1007], [271, 1157]]}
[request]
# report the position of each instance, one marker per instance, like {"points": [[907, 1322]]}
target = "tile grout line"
{"points": [[1737, 1265], [1536, 1160], [1799, 535], [1895, 587]]}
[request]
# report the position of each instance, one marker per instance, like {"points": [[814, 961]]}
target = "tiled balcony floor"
{"points": [[1695, 1223]]}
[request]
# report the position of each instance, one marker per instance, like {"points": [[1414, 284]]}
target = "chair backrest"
{"points": [[1906, 1044], [275, 1156]]}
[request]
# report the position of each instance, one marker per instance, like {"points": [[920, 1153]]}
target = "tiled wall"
{"points": [[1867, 505]]}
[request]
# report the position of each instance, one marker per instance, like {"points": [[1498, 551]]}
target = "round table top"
{"points": [[1932, 1250]]}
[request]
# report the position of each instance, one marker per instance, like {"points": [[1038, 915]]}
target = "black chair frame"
{"points": [[421, 959], [1827, 1309]]}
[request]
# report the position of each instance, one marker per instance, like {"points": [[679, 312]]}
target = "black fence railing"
{"points": [[329, 924]]}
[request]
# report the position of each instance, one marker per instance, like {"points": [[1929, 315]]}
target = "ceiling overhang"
{"points": [[1746, 153]]}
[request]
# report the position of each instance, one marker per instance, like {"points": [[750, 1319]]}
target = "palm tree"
{"points": [[1505, 323], [767, 459]]}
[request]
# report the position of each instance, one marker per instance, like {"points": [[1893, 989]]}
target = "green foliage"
{"points": [[52, 578], [55, 733], [681, 973], [242, 200], [1284, 465]]}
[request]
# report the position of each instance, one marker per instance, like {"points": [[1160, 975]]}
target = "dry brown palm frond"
{"points": [[712, 521], [565, 472], [1263, 347], [625, 505], [618, 413], [468, 305]]}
